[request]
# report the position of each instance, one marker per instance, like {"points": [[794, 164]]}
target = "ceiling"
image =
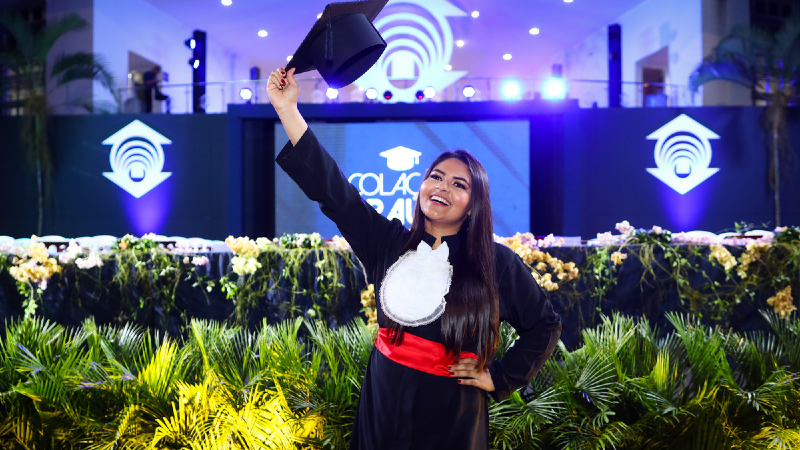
{"points": [[502, 27]]}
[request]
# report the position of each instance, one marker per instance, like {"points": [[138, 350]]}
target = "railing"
{"points": [[218, 95]]}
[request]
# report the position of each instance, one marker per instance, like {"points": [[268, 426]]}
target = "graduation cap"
{"points": [[401, 158], [343, 44]]}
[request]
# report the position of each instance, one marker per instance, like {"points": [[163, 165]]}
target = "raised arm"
{"points": [[283, 91], [320, 178]]}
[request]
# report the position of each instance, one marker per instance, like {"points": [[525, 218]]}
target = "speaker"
{"points": [[614, 66]]}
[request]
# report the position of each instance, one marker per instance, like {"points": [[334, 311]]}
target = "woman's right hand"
{"points": [[283, 89]]}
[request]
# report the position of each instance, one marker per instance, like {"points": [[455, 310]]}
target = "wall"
{"points": [[77, 41], [719, 17], [138, 26], [646, 29]]}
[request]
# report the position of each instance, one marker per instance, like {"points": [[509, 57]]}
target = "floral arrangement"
{"points": [[369, 310], [548, 271], [147, 273]]}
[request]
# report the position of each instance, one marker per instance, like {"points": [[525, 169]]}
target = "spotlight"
{"points": [[534, 31], [459, 43], [262, 33], [507, 56], [429, 92], [195, 63], [468, 92], [387, 95], [420, 95], [511, 90], [246, 94], [448, 68], [191, 43], [475, 14], [554, 88], [372, 93], [332, 93], [227, 2]]}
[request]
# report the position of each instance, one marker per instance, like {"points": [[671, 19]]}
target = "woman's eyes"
{"points": [[456, 184]]}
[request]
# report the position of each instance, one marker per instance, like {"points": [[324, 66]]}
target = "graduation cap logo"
{"points": [[401, 158], [137, 158], [343, 44], [683, 153]]}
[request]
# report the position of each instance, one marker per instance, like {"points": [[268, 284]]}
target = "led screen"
{"points": [[390, 182]]}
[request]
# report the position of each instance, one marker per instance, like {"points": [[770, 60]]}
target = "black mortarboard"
{"points": [[343, 44]]}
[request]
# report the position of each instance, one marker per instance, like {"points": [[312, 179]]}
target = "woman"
{"points": [[442, 286]]}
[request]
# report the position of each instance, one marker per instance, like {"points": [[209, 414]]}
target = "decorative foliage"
{"points": [[295, 385]]}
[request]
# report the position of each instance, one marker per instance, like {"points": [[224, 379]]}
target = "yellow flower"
{"points": [[782, 302], [243, 246], [618, 257], [721, 254]]}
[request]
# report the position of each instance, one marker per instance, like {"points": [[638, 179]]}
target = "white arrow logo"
{"points": [[683, 153], [136, 158]]}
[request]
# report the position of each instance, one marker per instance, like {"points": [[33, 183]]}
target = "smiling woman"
{"points": [[442, 288]]}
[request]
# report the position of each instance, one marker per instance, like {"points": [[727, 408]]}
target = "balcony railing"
{"points": [[589, 93]]}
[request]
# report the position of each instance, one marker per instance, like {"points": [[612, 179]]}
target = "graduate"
{"points": [[442, 287]]}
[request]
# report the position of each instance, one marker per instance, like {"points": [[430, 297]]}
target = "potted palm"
{"points": [[25, 60], [769, 65]]}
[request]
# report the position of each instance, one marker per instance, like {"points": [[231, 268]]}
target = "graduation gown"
{"points": [[401, 407]]}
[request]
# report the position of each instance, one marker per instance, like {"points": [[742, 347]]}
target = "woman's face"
{"points": [[444, 197]]}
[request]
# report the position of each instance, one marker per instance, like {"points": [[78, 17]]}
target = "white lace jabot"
{"points": [[412, 293]]}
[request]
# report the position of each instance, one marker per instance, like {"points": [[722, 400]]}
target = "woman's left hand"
{"points": [[468, 369]]}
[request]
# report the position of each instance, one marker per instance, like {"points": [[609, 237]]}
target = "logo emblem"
{"points": [[419, 44], [683, 153], [401, 158], [136, 158]]}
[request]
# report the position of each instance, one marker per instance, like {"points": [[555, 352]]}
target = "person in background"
{"points": [[150, 88]]}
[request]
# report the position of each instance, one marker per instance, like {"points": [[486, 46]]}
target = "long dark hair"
{"points": [[471, 317]]}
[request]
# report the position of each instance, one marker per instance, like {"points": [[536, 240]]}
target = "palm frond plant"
{"points": [[769, 65], [25, 61]]}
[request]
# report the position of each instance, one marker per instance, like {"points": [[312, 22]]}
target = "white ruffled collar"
{"points": [[413, 290]]}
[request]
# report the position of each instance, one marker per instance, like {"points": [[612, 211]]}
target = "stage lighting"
{"points": [[388, 95], [245, 94], [419, 94], [468, 92], [195, 63], [332, 93], [191, 43], [554, 88], [372, 93], [511, 90], [429, 92]]}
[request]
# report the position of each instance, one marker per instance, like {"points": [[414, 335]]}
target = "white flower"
{"points": [[72, 252], [151, 236], [657, 229], [624, 227], [606, 239], [243, 265], [200, 260], [93, 260], [5, 248], [186, 260], [264, 244]]}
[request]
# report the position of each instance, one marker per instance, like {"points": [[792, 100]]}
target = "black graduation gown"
{"points": [[400, 407]]}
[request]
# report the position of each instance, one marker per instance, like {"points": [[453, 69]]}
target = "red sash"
{"points": [[418, 353]]}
